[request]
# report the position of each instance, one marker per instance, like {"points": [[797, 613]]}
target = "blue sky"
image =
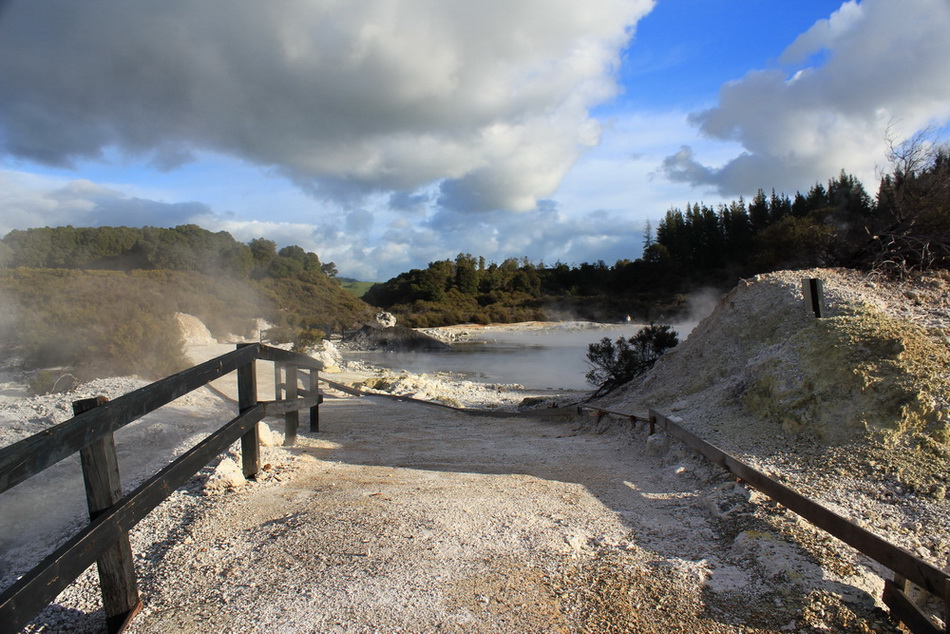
{"points": [[385, 134]]}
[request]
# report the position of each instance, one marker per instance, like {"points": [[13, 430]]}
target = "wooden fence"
{"points": [[905, 566], [105, 539]]}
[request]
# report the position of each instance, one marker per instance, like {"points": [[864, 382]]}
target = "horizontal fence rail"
{"points": [[105, 539], [32, 455], [906, 566]]}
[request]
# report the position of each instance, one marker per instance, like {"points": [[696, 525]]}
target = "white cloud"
{"points": [[343, 97], [884, 69], [599, 213], [543, 234], [824, 33], [28, 201]]}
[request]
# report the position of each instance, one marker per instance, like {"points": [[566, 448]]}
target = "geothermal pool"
{"points": [[551, 357]]}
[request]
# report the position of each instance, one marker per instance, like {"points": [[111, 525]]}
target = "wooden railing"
{"points": [[905, 566], [105, 539]]}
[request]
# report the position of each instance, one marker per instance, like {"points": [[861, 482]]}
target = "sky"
{"points": [[386, 134]]}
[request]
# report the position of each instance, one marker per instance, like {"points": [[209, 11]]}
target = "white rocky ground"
{"points": [[402, 517]]}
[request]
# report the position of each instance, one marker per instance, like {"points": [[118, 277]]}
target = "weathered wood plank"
{"points": [[31, 593], [292, 417], [247, 398], [100, 468], [894, 557], [32, 455], [285, 356], [906, 611], [631, 417], [946, 605], [315, 408], [346, 389], [276, 408]]}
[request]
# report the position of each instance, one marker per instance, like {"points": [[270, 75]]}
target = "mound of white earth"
{"points": [[852, 408], [193, 330], [444, 389]]}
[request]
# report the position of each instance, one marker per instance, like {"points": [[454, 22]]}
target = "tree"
{"points": [[6, 255], [759, 213], [913, 219], [294, 253], [613, 364], [263, 251], [647, 236], [466, 274]]}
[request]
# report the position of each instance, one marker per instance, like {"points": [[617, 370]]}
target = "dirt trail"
{"points": [[401, 517]]}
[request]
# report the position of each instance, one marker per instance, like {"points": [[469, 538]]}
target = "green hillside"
{"points": [[101, 301]]}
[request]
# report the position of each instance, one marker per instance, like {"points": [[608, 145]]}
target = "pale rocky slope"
{"points": [[853, 409]]}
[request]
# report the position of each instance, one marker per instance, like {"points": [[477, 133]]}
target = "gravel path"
{"points": [[401, 517]]}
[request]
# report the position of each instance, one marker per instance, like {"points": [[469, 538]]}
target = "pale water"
{"points": [[550, 358]]}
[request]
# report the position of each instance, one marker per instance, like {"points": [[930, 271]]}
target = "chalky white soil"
{"points": [[407, 517]]}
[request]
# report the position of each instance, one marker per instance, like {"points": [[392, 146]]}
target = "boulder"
{"points": [[386, 320]]}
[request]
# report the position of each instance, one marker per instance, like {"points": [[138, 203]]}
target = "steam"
{"points": [[8, 318], [699, 305]]}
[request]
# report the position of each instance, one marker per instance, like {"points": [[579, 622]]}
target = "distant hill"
{"points": [[356, 287]]}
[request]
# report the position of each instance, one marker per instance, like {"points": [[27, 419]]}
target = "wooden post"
{"points": [[292, 418], [946, 605], [247, 398], [100, 471], [277, 393], [315, 410], [814, 296], [652, 424]]}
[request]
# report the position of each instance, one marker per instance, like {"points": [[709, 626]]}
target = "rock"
{"points": [[268, 437], [393, 339], [386, 320], [227, 475], [327, 354]]}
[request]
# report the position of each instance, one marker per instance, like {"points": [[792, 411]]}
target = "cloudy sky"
{"points": [[384, 134]]}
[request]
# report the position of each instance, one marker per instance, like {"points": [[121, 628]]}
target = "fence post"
{"points": [[292, 418], [814, 294], [315, 391], [247, 398], [100, 473], [946, 605]]}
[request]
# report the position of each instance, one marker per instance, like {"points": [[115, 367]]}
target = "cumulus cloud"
{"points": [[359, 221], [342, 97], [542, 234], [879, 67], [27, 198]]}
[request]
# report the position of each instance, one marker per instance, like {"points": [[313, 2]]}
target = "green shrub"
{"points": [[613, 364], [307, 338]]}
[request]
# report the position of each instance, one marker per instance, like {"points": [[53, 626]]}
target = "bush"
{"points": [[613, 364], [307, 338], [278, 335]]}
